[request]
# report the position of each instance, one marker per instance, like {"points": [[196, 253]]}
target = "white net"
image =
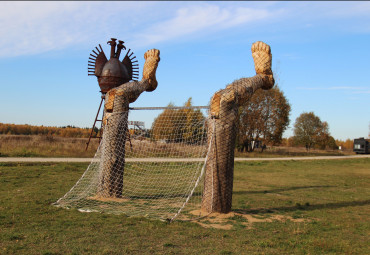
{"points": [[156, 173]]}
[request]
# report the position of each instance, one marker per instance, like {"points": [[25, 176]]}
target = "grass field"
{"points": [[293, 207]]}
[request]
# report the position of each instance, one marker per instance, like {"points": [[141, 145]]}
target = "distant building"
{"points": [[361, 146]]}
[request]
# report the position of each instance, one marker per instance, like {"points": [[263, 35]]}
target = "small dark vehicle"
{"points": [[361, 146]]}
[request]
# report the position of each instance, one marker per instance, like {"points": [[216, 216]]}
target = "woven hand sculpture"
{"points": [[222, 129], [115, 128]]}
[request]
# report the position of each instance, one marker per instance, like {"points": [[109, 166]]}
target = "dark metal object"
{"points": [[96, 119], [113, 47], [361, 146], [112, 73], [120, 46]]}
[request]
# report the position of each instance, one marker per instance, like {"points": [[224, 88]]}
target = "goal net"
{"points": [[155, 172]]}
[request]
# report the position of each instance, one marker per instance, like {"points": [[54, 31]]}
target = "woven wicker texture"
{"points": [[218, 186], [151, 63], [160, 190], [261, 54]]}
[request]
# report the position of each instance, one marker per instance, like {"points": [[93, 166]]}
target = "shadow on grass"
{"points": [[161, 196], [303, 207], [279, 190]]}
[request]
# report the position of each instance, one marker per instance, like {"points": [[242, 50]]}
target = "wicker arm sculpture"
{"points": [[218, 186], [115, 125]]}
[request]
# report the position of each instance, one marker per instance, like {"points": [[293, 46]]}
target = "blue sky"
{"points": [[320, 56]]}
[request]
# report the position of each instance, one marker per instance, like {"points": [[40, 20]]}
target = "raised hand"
{"points": [[150, 67]]}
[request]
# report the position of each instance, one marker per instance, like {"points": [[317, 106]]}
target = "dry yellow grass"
{"points": [[45, 146], [53, 146]]}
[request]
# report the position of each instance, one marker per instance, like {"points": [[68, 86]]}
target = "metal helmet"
{"points": [[114, 72]]}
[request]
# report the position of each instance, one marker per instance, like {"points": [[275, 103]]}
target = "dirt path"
{"points": [[10, 159]]}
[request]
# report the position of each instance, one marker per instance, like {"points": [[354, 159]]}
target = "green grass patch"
{"points": [[330, 196]]}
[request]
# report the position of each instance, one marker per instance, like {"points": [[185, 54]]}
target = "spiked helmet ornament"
{"points": [[114, 72]]}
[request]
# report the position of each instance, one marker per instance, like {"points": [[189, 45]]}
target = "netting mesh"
{"points": [[145, 172], [156, 173]]}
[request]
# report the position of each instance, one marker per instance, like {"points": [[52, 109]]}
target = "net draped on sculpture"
{"points": [[184, 163], [156, 173]]}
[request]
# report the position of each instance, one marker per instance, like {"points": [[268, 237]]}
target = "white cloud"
{"points": [[344, 16], [348, 9], [200, 19], [35, 27], [27, 27]]}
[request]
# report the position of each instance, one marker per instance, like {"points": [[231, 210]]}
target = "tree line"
{"points": [[262, 121], [265, 117], [65, 131]]}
